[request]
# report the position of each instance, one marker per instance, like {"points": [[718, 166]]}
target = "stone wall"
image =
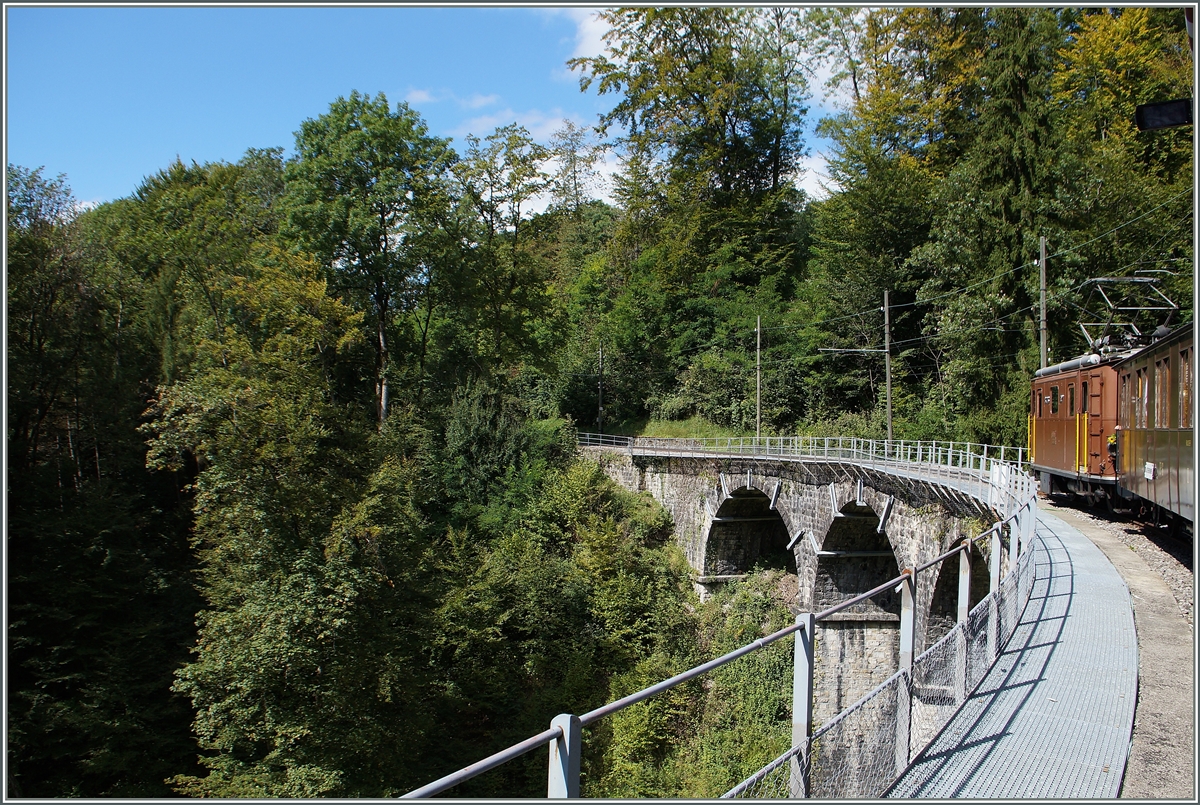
{"points": [[852, 658]]}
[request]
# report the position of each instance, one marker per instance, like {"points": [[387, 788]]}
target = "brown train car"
{"points": [[1155, 453], [1072, 414]]}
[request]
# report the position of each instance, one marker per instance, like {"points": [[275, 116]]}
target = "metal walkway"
{"points": [[1053, 718]]}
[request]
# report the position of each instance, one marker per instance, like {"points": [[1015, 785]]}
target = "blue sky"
{"points": [[110, 95]]}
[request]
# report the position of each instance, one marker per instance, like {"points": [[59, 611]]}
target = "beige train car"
{"points": [[1155, 453]]}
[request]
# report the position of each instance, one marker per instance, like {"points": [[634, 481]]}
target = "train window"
{"points": [[1054, 399], [1185, 388], [1071, 400], [1038, 393], [1141, 399], [1083, 398], [1162, 393], [1125, 415]]}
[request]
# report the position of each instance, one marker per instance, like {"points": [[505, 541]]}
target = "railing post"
{"points": [[564, 758], [964, 613], [907, 619], [904, 691], [1014, 539], [802, 704], [994, 585], [1029, 525]]}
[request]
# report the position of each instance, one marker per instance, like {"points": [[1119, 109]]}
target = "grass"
{"points": [[696, 428]]}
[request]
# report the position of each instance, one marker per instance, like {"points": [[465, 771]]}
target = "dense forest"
{"points": [[294, 507]]}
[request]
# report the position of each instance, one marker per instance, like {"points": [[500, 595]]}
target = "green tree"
{"points": [[711, 105], [47, 316], [1133, 201], [1009, 188], [499, 177], [575, 175], [714, 105], [366, 186], [100, 598], [309, 647]]}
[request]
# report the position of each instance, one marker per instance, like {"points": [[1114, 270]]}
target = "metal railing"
{"points": [[987, 466], [863, 750], [962, 455]]}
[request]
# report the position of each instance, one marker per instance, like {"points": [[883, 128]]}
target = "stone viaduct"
{"points": [[842, 527]]}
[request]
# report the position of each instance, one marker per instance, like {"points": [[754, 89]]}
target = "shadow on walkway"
{"points": [[1053, 716]]}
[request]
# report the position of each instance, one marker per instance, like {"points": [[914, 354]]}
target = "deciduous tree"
{"points": [[366, 185]]}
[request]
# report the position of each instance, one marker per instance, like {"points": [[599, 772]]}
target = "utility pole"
{"points": [[1042, 264], [887, 359], [758, 378], [600, 395]]}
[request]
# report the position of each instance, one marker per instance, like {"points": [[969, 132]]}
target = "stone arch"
{"points": [[920, 518], [743, 528]]}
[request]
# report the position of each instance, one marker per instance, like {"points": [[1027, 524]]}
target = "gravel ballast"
{"points": [[1157, 570], [1168, 556]]}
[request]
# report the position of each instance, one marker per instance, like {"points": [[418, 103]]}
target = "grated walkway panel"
{"points": [[1053, 718]]}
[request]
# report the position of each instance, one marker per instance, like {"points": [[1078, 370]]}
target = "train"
{"points": [[1119, 425]]}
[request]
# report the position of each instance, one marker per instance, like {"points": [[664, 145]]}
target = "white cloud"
{"points": [[420, 96], [814, 177], [478, 101], [609, 167], [832, 100], [541, 125], [589, 31], [589, 36]]}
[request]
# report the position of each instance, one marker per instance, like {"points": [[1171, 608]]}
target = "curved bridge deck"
{"points": [[1053, 718]]}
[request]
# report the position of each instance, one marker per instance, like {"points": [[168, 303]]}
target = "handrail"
{"points": [[529, 744], [489, 762], [960, 461], [1019, 489], [634, 698], [953, 454]]}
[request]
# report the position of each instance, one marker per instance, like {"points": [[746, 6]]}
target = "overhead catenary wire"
{"points": [[1064, 295], [958, 291], [725, 339]]}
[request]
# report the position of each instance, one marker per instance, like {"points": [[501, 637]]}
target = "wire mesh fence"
{"points": [[853, 755], [861, 751]]}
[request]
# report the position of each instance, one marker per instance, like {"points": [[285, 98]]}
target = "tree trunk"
{"points": [[381, 347]]}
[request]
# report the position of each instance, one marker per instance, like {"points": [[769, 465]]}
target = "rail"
{"points": [[996, 468]]}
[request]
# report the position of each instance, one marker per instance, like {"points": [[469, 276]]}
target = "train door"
{"points": [[1059, 453], [1037, 426], [1094, 415], [1077, 463]]}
